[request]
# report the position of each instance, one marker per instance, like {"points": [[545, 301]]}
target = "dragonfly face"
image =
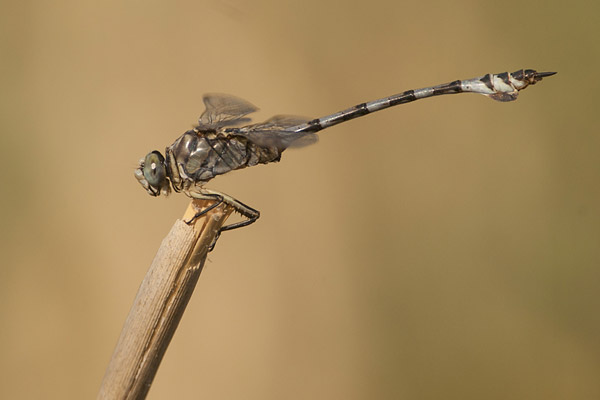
{"points": [[152, 174]]}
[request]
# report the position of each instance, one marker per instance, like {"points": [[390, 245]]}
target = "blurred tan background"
{"points": [[445, 249]]}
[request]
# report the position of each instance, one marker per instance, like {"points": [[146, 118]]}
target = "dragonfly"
{"points": [[224, 140]]}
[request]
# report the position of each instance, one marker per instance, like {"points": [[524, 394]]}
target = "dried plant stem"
{"points": [[160, 303]]}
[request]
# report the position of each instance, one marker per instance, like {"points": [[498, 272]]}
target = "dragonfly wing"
{"points": [[278, 132], [224, 110], [283, 121]]}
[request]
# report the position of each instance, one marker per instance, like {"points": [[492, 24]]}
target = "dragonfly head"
{"points": [[152, 174]]}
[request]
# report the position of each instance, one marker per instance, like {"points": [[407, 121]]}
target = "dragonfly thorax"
{"points": [[198, 156]]}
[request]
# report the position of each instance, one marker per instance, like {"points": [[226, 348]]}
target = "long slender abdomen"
{"points": [[500, 87]]}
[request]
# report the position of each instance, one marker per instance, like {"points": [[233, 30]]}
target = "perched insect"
{"points": [[222, 143]]}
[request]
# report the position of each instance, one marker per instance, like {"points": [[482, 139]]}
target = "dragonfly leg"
{"points": [[218, 201], [246, 211]]}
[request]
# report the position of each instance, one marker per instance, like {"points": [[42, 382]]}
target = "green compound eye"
{"points": [[154, 170]]}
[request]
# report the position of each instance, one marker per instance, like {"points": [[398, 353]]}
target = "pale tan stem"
{"points": [[160, 303]]}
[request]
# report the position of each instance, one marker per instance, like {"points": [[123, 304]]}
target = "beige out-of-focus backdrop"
{"points": [[445, 249]]}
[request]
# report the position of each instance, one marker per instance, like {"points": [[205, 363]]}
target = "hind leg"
{"points": [[246, 211]]}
